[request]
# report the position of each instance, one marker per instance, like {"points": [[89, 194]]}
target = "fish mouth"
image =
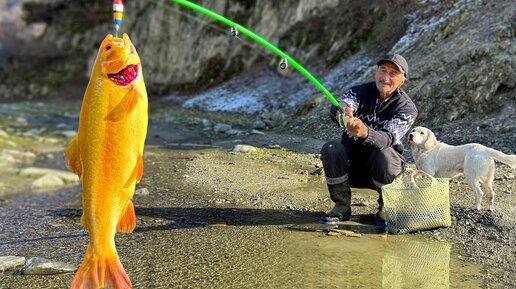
{"points": [[125, 76]]}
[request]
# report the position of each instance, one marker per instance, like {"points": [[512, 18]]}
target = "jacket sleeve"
{"points": [[349, 98], [393, 130]]}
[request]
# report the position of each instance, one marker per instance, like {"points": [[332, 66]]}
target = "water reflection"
{"points": [[416, 264], [372, 261]]}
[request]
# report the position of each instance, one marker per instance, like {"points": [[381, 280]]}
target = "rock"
{"points": [[222, 127], [68, 133], [255, 131], [47, 182], [33, 133], [21, 121], [26, 157], [259, 124], [360, 203], [346, 233], [217, 224], [274, 119], [317, 171], [239, 148], [42, 266], [206, 123], [67, 177], [142, 192], [233, 132], [11, 143], [6, 160], [9, 263]]}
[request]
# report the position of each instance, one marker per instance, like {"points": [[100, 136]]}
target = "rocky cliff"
{"points": [[461, 53]]}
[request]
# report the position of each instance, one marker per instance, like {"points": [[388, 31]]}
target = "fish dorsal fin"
{"points": [[127, 222], [72, 157], [125, 106], [137, 172]]}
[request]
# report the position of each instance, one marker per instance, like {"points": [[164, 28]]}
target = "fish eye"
{"points": [[108, 47]]}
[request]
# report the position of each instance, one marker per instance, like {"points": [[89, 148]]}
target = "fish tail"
{"points": [[100, 272]]}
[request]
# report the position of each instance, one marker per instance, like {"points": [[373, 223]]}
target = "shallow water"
{"points": [[181, 241]]}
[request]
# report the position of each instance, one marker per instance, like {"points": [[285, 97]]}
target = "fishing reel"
{"points": [[283, 64], [234, 31]]}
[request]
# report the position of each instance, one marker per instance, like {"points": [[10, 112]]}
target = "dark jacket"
{"points": [[388, 121]]}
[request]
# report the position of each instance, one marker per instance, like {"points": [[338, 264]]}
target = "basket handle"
{"points": [[404, 173], [413, 173]]}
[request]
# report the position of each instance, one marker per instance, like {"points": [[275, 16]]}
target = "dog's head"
{"points": [[422, 138]]}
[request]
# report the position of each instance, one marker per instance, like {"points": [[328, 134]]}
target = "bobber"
{"points": [[118, 14]]}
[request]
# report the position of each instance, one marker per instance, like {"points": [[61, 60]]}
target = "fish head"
{"points": [[118, 60]]}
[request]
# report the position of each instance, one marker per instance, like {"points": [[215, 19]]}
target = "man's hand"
{"points": [[354, 125]]}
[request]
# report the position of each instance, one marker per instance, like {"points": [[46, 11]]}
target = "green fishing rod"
{"points": [[236, 28]]}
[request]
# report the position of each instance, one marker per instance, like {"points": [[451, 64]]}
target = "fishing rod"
{"points": [[285, 59]]}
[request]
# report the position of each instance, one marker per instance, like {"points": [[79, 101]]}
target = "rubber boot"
{"points": [[379, 217], [340, 194]]}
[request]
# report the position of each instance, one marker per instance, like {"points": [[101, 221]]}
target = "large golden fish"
{"points": [[107, 155]]}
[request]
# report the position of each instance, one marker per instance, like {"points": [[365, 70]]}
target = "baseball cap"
{"points": [[397, 59]]}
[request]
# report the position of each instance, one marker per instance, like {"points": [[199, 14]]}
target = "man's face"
{"points": [[388, 78]]}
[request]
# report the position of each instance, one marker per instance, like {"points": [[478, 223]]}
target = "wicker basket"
{"points": [[419, 203]]}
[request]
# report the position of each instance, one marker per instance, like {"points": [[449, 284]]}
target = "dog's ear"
{"points": [[431, 140]]}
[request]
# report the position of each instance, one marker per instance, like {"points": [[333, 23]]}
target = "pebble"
{"points": [[47, 182], [142, 192], [206, 123], [19, 155], [68, 133], [233, 132], [258, 132], [217, 224], [9, 263], [240, 148], [346, 233], [6, 159], [222, 127], [65, 176], [42, 266]]}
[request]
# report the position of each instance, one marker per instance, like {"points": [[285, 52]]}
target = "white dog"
{"points": [[473, 160]]}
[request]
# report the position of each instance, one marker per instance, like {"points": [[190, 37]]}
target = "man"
{"points": [[377, 117]]}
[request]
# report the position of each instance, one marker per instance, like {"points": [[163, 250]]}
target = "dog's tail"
{"points": [[509, 160]]}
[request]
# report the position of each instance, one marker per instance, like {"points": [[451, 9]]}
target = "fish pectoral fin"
{"points": [[137, 172], [125, 106], [72, 157], [83, 221], [127, 223], [139, 166]]}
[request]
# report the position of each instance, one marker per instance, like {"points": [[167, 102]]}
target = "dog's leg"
{"points": [[488, 186], [476, 169], [474, 183]]}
